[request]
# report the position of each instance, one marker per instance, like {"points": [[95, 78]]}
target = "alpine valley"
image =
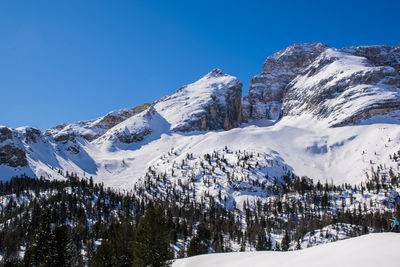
{"points": [[310, 155]]}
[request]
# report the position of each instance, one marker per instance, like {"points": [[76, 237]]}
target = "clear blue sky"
{"points": [[64, 61]]}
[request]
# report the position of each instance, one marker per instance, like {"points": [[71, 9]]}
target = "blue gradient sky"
{"points": [[64, 61]]}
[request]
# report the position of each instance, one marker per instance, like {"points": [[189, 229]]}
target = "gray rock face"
{"points": [[344, 88], [378, 55], [267, 89], [134, 129], [5, 134], [12, 156], [31, 134], [211, 103], [93, 129], [10, 153], [343, 85]]}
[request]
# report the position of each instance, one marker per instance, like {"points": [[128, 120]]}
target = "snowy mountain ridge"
{"points": [[290, 109]]}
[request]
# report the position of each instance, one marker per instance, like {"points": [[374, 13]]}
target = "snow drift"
{"points": [[366, 251]]}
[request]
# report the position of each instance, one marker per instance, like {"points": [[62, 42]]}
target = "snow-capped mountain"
{"points": [[343, 88], [344, 85], [93, 129], [264, 99], [289, 112], [211, 103]]}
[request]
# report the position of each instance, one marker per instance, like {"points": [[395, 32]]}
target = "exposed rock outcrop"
{"points": [[13, 156], [211, 103], [93, 129], [267, 89], [31, 134], [342, 85], [343, 88], [134, 129], [5, 134]]}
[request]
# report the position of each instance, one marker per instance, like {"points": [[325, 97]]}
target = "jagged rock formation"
{"points": [[131, 130], [343, 88], [211, 103], [342, 85], [11, 154], [267, 89], [337, 86], [93, 129]]}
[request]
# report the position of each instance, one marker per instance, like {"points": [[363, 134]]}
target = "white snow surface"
{"points": [[366, 251], [307, 145], [189, 101], [339, 74], [302, 142]]}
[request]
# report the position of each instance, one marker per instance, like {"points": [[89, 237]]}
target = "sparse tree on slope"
{"points": [[151, 246]]}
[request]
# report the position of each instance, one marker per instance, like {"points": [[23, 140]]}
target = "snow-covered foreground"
{"points": [[368, 250]]}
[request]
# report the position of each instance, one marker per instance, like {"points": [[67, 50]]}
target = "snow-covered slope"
{"points": [[213, 102], [368, 250], [309, 147], [345, 85], [264, 99], [93, 129], [317, 86], [343, 88]]}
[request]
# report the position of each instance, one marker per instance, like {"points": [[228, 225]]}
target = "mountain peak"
{"points": [[216, 73]]}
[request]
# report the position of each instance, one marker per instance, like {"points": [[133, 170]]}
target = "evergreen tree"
{"points": [[298, 244], [42, 252], [285, 244], [196, 247], [104, 256], [61, 243], [116, 250], [261, 242], [151, 245], [269, 242]]}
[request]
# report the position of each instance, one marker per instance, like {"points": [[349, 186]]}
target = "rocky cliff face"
{"points": [[342, 85], [211, 103], [93, 129], [134, 129], [267, 89], [11, 152]]}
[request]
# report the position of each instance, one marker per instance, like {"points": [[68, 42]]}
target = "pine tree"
{"points": [[261, 242], [269, 242], [104, 256], [61, 242], [285, 241], [298, 245], [42, 252], [151, 245], [196, 247]]}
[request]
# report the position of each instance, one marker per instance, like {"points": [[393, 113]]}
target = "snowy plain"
{"points": [[367, 251]]}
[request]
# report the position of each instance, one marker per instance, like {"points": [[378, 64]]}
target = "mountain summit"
{"points": [[344, 86], [291, 118]]}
